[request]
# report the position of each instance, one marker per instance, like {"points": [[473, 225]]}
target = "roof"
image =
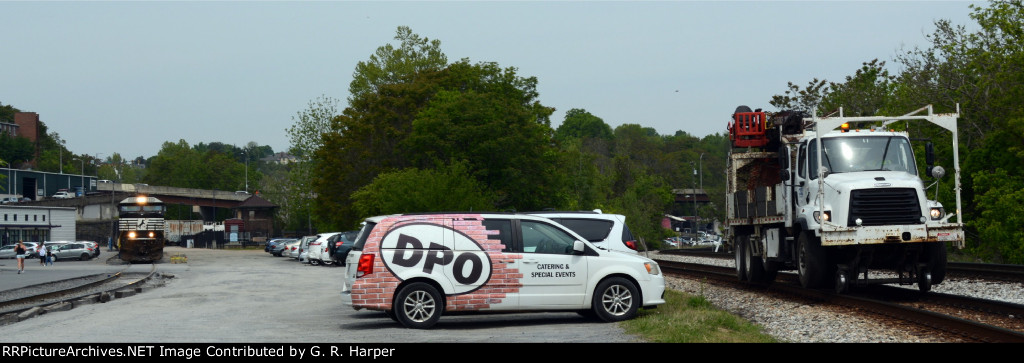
{"points": [[256, 202]]}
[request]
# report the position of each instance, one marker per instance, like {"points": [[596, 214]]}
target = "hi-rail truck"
{"points": [[833, 202]]}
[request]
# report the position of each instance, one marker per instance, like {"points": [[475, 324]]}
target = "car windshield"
{"points": [[868, 153]]}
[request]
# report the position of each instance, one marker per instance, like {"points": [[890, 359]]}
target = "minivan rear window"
{"points": [[591, 229], [364, 233]]}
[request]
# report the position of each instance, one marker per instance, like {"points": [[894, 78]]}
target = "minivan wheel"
{"points": [[615, 299], [418, 306]]}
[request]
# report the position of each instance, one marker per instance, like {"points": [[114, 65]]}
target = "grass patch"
{"points": [[688, 318]]}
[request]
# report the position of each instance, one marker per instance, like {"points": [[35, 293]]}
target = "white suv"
{"points": [[415, 267], [608, 231]]}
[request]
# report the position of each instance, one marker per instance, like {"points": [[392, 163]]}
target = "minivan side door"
{"points": [[553, 275]]}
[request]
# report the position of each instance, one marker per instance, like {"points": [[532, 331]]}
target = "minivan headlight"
{"points": [[652, 268]]}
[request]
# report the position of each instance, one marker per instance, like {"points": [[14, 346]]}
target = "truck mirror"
{"points": [[938, 172], [784, 175], [929, 154]]}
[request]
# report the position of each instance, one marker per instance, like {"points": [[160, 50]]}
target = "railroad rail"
{"points": [[785, 286], [1003, 272], [100, 286]]}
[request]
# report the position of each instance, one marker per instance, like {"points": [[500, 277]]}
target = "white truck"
{"points": [[810, 194]]}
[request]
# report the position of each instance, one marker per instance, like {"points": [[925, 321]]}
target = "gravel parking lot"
{"points": [[244, 296]]}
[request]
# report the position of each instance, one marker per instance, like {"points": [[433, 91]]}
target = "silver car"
{"points": [[75, 250]]}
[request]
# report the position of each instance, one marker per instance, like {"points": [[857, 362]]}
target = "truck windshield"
{"points": [[868, 153]]}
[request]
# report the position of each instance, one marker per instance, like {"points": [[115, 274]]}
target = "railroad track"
{"points": [[923, 313], [999, 272], [66, 294]]}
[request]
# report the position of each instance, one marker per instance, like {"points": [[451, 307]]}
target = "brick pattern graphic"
{"points": [[376, 291]]}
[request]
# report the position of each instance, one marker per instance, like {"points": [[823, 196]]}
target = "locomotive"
{"points": [[140, 226]]}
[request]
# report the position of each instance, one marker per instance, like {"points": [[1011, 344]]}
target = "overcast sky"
{"points": [[126, 77]]}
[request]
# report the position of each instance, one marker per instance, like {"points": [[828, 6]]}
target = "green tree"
{"points": [[390, 65], [422, 190], [582, 124]]}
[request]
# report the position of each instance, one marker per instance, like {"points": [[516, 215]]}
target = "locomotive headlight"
{"points": [[937, 213], [151, 234], [131, 234]]}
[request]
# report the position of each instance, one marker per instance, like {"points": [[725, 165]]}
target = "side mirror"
{"points": [[929, 154], [784, 175], [937, 172], [579, 247], [824, 172]]}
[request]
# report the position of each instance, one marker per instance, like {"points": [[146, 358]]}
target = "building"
{"points": [[36, 224]]}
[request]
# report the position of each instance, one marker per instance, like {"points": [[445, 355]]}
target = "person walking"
{"points": [[42, 254], [49, 256], [19, 253]]}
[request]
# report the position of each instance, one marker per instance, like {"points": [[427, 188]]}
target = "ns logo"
{"points": [[441, 253]]}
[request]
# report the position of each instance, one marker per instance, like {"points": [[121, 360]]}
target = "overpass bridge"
{"points": [[97, 210], [102, 204]]}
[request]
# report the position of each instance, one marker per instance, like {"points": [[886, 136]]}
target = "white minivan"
{"points": [[414, 267]]}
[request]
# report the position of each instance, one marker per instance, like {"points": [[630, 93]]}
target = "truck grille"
{"points": [[884, 206]]}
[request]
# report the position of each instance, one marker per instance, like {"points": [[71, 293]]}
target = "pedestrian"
{"points": [[49, 256], [42, 254], [19, 252]]}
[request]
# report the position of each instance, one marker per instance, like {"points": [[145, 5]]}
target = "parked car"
{"points": [[280, 246], [7, 251], [74, 250], [608, 231], [95, 247], [518, 262], [289, 248], [275, 245], [303, 254], [319, 248], [9, 200], [343, 246], [63, 195]]}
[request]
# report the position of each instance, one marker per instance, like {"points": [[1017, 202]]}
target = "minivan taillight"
{"points": [[365, 266], [631, 245]]}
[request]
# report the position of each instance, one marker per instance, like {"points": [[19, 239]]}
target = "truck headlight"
{"points": [[937, 213], [827, 216]]}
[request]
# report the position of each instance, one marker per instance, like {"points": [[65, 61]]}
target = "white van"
{"points": [[415, 267]]}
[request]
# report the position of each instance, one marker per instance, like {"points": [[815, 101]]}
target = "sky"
{"points": [[126, 77]]}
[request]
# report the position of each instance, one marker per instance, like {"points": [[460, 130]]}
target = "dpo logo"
{"points": [[447, 255]]}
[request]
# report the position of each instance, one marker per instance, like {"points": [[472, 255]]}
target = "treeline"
{"points": [[983, 72], [421, 134]]}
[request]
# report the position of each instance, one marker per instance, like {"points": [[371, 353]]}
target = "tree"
{"points": [[582, 124], [390, 65], [489, 117], [422, 190]]}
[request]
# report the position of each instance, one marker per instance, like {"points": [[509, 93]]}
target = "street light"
{"points": [[246, 171]]}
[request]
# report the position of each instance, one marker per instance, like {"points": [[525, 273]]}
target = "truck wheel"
{"points": [[811, 262], [924, 280], [739, 246], [418, 306], [755, 269], [936, 254], [615, 299]]}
